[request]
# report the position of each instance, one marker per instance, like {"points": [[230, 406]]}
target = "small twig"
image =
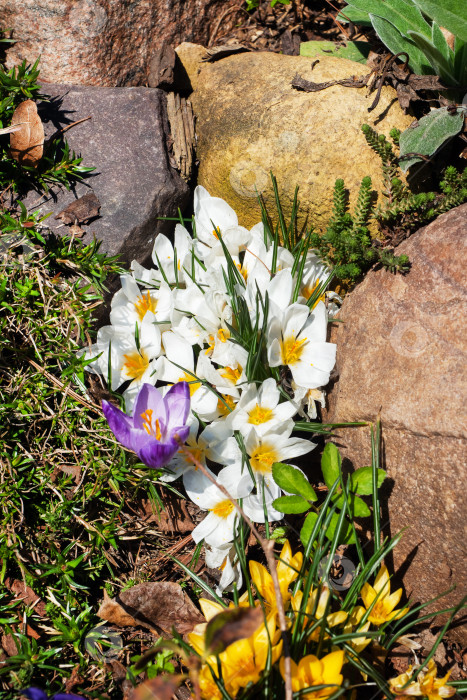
{"points": [[93, 406], [229, 10], [267, 546], [59, 132]]}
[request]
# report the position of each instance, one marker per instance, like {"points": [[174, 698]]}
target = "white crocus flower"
{"points": [[269, 448], [175, 261], [225, 559], [125, 359], [178, 365], [131, 304], [211, 214], [259, 408], [219, 526], [201, 317], [308, 398], [314, 274], [215, 443], [278, 290], [298, 341]]}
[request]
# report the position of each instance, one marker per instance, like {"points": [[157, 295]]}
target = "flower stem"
{"points": [[268, 548]]}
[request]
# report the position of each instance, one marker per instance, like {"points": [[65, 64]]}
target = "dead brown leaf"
{"points": [[26, 595], [8, 645], [159, 688], [111, 611], [160, 605], [27, 144], [229, 626], [174, 517], [81, 210]]}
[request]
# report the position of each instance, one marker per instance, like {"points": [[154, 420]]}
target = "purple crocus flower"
{"points": [[156, 420], [38, 694]]}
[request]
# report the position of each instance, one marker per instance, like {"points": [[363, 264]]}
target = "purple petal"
{"points": [[149, 398], [120, 424], [181, 431], [157, 454], [177, 400], [67, 696], [34, 694]]}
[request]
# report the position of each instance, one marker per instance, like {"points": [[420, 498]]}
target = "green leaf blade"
{"points": [[361, 481], [431, 132], [291, 505], [292, 480], [331, 464]]}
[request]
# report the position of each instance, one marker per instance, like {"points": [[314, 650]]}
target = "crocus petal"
{"points": [[177, 400], [149, 398], [34, 694], [156, 454], [119, 423]]}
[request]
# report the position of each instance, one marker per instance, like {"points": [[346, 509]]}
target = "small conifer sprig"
{"points": [[346, 245]]}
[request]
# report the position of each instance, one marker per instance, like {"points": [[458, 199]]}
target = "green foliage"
{"points": [[58, 165], [403, 209], [413, 27], [343, 504], [346, 245], [429, 134], [353, 50]]}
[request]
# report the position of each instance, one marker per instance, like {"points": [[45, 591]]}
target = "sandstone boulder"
{"points": [[251, 121], [105, 42], [402, 349], [126, 141]]}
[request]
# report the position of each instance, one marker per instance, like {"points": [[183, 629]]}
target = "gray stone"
{"points": [[125, 140]]}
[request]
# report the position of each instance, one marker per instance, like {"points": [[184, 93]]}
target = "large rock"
{"points": [[251, 121], [125, 140], [105, 42], [402, 349]]}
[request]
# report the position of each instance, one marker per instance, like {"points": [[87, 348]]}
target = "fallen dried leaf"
{"points": [[9, 645], [174, 517], [160, 605], [159, 688], [26, 595], [81, 210], [27, 144], [229, 626]]}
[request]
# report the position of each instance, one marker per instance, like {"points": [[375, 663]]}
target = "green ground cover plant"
{"points": [[70, 493]]}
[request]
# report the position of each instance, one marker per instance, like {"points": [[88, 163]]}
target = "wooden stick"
{"points": [[268, 547]]}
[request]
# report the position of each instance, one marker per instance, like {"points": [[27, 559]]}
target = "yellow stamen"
{"points": [[222, 408], [231, 374], [263, 457], [136, 363], [193, 384], [145, 303], [259, 415], [147, 424], [216, 232], [291, 350], [223, 334], [223, 508]]}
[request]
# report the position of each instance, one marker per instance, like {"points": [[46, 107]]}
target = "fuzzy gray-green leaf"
{"points": [[395, 42], [431, 132], [450, 14]]}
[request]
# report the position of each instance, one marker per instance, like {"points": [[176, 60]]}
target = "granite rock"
{"points": [[402, 350], [105, 42], [125, 140], [250, 121]]}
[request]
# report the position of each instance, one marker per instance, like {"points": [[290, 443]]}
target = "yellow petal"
{"points": [[391, 601], [310, 671], [294, 673], [382, 585], [210, 608], [368, 594], [263, 582], [336, 618], [322, 602], [332, 666]]}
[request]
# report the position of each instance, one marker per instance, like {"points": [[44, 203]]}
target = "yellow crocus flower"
{"points": [[288, 568], [244, 661], [315, 610], [380, 599], [312, 671], [426, 685]]}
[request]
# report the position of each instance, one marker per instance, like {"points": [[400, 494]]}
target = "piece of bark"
{"points": [[27, 144], [81, 210], [158, 688], [158, 606], [290, 43], [161, 72], [217, 52], [182, 129]]}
